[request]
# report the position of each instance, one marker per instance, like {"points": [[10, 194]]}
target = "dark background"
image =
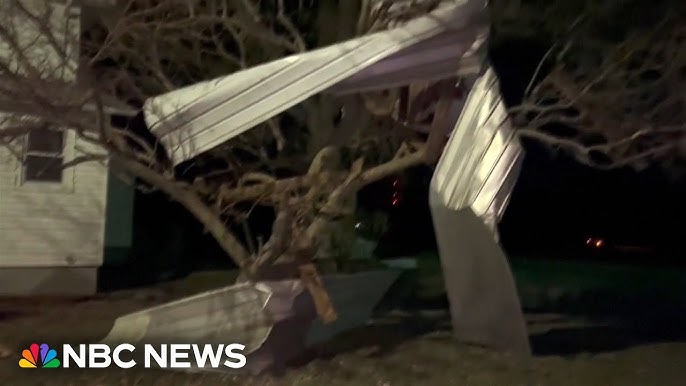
{"points": [[558, 203]]}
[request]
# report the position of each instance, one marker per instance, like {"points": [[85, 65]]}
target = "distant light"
{"points": [[395, 202], [358, 225], [595, 243], [395, 183]]}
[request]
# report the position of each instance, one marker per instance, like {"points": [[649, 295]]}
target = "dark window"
{"points": [[45, 141], [43, 157]]}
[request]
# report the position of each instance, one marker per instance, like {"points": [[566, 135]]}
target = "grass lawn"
{"points": [[542, 283], [397, 349]]}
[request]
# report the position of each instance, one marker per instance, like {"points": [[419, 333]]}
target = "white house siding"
{"points": [[36, 46], [48, 224], [51, 234], [45, 227]]}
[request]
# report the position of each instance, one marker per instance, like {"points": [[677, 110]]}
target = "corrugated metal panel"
{"points": [[195, 119], [209, 317], [469, 191], [448, 54], [271, 318], [481, 161]]}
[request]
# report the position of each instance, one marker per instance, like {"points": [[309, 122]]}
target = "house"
{"points": [[472, 182], [56, 223]]}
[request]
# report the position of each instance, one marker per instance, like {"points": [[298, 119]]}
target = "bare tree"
{"points": [[611, 88], [54, 79]]}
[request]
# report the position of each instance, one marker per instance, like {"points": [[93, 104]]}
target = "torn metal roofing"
{"points": [[481, 161], [271, 318], [469, 191], [195, 119]]}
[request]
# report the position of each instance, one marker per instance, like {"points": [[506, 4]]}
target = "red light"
{"points": [[395, 183], [595, 243], [395, 202]]}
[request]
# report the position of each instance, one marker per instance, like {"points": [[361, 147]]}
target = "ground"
{"points": [[399, 348]]}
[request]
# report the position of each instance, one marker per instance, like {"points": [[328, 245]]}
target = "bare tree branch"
{"points": [[74, 81], [620, 104]]}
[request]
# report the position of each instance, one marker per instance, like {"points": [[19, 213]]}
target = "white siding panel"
{"points": [[38, 47], [50, 224]]}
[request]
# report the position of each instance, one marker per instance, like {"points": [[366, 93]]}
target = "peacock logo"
{"points": [[37, 356]]}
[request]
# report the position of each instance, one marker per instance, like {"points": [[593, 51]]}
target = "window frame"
{"points": [[66, 185], [48, 155]]}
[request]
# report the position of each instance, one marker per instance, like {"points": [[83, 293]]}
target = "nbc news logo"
{"points": [[173, 356], [39, 356]]}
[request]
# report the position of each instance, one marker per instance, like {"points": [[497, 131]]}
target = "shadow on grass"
{"points": [[593, 322], [596, 339], [378, 339], [617, 321], [7, 315]]}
